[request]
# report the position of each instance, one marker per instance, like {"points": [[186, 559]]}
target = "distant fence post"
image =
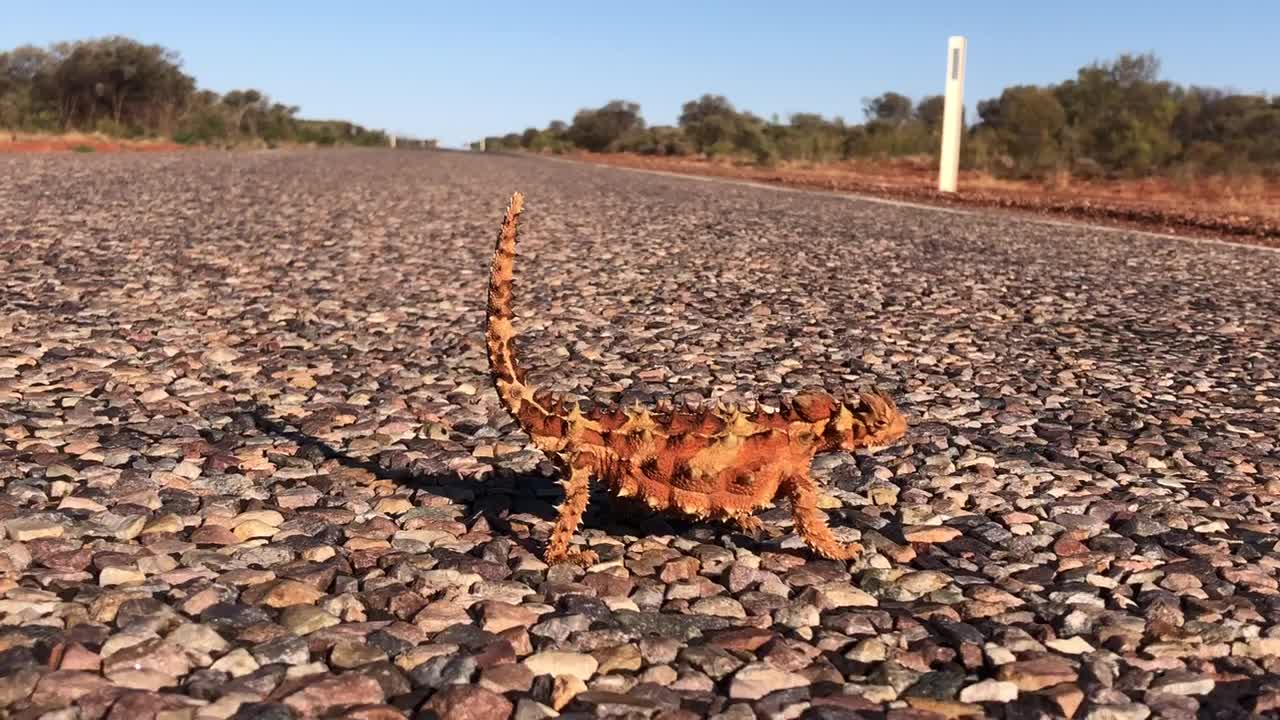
{"points": [[952, 114]]}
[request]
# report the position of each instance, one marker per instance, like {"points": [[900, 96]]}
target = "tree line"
{"points": [[127, 89], [1114, 119]]}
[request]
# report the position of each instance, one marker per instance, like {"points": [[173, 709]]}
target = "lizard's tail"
{"points": [[540, 417], [508, 376]]}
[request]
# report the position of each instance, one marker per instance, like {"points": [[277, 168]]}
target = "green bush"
{"points": [[201, 127], [881, 139], [1028, 125], [123, 88], [662, 140], [111, 128], [808, 138], [597, 129], [1112, 119]]}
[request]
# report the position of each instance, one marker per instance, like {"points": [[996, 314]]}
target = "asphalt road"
{"points": [[250, 460]]}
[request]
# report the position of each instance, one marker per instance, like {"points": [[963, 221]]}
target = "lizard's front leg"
{"points": [[577, 490], [810, 524]]}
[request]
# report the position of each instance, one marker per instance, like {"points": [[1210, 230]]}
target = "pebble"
{"points": [[253, 529], [1070, 646], [555, 662], [757, 680], [236, 663], [1184, 683], [719, 606], [119, 575], [281, 593], [564, 690], [306, 619], [924, 582], [989, 691], [28, 529], [836, 595], [1066, 697], [469, 703], [325, 694], [930, 534], [149, 655], [348, 654], [1119, 711], [1037, 674], [197, 638]]}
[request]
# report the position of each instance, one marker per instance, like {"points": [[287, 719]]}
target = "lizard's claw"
{"points": [[749, 524], [851, 551], [581, 558]]}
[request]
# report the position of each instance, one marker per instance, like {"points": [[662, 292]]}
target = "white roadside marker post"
{"points": [[952, 114]]}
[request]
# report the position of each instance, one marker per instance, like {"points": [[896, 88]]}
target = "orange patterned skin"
{"points": [[705, 462]]}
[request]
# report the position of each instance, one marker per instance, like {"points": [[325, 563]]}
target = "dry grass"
{"points": [[1244, 205], [19, 142], [12, 142]]}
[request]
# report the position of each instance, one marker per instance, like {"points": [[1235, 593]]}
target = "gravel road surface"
{"points": [[251, 464]]}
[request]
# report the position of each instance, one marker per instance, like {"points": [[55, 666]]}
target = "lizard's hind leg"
{"points": [[810, 524], [748, 524], [577, 490]]}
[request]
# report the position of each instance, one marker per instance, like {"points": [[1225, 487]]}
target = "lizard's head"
{"points": [[872, 421]]}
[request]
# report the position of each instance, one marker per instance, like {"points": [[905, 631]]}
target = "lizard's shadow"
{"points": [[499, 497]]}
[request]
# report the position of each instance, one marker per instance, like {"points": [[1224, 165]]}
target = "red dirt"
{"points": [[1245, 210], [67, 143]]}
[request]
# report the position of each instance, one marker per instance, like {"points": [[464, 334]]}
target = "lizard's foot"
{"points": [[811, 525], [575, 556], [749, 524], [851, 551]]}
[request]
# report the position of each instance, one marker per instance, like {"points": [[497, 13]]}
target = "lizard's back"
{"points": [[701, 463]]}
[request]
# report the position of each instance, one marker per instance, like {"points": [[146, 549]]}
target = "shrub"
{"points": [[662, 140], [595, 130], [111, 128], [203, 126]]}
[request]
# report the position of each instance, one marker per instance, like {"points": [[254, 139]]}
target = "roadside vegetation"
{"points": [[1114, 120], [120, 88]]}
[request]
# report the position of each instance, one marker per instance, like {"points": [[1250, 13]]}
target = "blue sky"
{"points": [[458, 71]]}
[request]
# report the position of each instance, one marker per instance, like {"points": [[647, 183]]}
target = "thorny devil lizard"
{"points": [[706, 462]]}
